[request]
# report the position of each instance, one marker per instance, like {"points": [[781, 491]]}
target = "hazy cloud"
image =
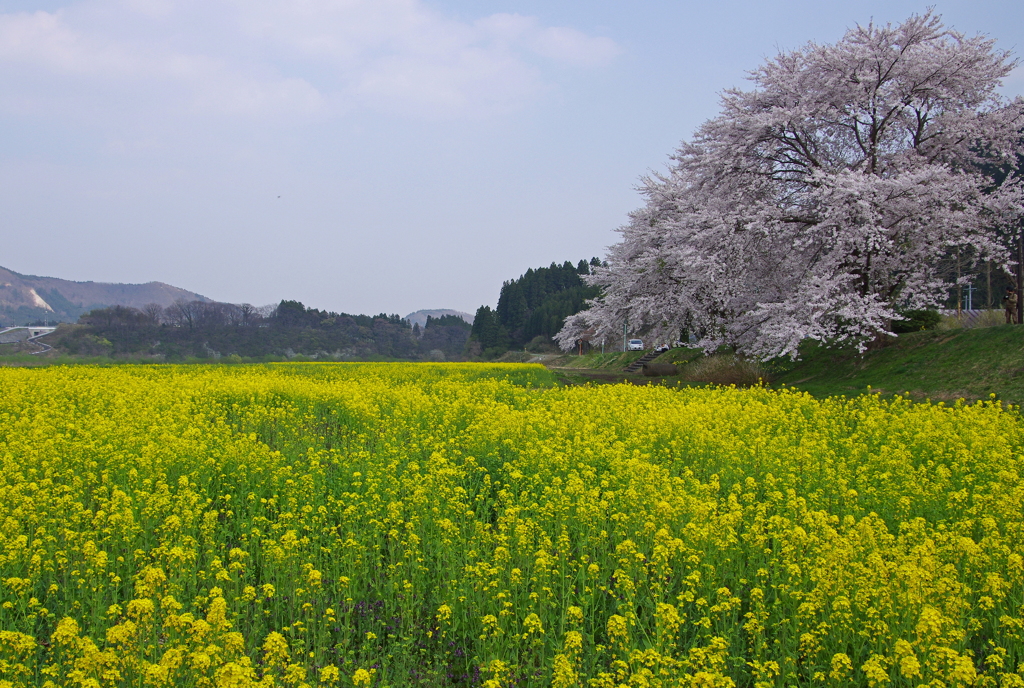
{"points": [[274, 58], [574, 47], [44, 40]]}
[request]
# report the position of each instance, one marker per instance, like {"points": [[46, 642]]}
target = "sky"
{"points": [[368, 156]]}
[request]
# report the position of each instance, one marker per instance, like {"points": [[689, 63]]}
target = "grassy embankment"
{"points": [[941, 365]]}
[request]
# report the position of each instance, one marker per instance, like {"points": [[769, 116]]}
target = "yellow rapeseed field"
{"points": [[472, 525]]}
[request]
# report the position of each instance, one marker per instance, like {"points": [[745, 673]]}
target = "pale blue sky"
{"points": [[366, 155]]}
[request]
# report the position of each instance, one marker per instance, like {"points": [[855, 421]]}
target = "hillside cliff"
{"points": [[27, 298]]}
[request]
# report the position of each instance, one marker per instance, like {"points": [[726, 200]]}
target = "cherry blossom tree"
{"points": [[819, 204]]}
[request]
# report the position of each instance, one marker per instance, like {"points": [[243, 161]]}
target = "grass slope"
{"points": [[942, 365]]}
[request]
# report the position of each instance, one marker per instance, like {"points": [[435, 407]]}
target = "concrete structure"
{"points": [[11, 335]]}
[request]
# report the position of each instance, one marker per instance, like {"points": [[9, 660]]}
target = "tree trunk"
{"points": [[988, 285], [1020, 273]]}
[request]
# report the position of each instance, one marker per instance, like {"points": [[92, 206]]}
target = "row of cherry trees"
{"points": [[821, 203]]}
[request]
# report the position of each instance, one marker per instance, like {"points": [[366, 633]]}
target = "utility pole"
{"points": [[1020, 274]]}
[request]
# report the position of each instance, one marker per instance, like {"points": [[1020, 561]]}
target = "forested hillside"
{"points": [[531, 309], [212, 330], [30, 298]]}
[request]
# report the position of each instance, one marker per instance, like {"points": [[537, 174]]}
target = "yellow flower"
{"points": [[234, 675], [66, 632], [532, 625], [841, 666], [565, 675], [275, 649], [294, 674], [618, 629], [217, 614], [573, 642], [710, 511], [910, 667], [141, 609], [875, 670]]}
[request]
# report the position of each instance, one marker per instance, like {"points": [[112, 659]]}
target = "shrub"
{"points": [[541, 344], [916, 321], [725, 369]]}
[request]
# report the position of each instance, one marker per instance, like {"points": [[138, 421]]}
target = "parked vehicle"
{"points": [[635, 345]]}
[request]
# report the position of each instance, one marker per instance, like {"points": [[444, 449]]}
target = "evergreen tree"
{"points": [[535, 305]]}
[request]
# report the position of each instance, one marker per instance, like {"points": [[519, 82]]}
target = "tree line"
{"points": [[198, 329], [530, 311]]}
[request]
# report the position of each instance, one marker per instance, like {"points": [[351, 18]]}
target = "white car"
{"points": [[635, 345]]}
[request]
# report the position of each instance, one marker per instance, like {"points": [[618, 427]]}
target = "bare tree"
{"points": [[248, 315], [154, 312], [183, 313]]}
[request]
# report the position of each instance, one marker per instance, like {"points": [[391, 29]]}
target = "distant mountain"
{"points": [[28, 298], [420, 317]]}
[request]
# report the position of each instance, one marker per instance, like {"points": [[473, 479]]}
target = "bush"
{"points": [[659, 369], [724, 369], [916, 321], [541, 344], [79, 342]]}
